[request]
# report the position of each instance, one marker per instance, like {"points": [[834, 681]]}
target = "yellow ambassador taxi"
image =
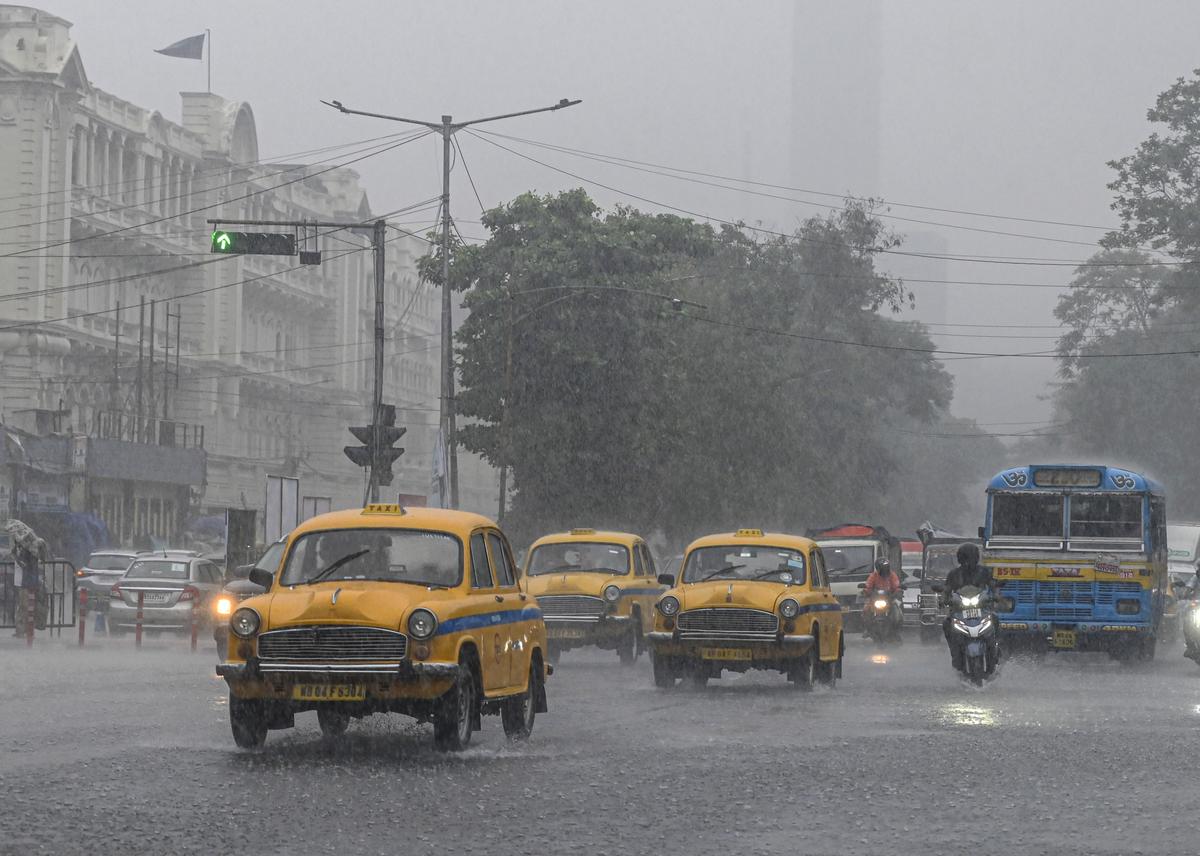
{"points": [[387, 609], [748, 600], [594, 589]]}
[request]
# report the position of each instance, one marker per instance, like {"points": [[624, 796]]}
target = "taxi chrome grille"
{"points": [[323, 642], [728, 623], [570, 607]]}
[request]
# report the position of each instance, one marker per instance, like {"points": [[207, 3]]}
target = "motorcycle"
{"points": [[882, 618], [973, 638]]}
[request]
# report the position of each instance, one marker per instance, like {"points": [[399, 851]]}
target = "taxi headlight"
{"points": [[669, 605], [789, 608], [612, 593], [422, 623], [224, 605], [244, 622]]}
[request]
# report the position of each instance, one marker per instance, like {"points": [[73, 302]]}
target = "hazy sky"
{"points": [[1006, 108]]}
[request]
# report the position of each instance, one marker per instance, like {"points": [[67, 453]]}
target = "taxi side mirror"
{"points": [[261, 577], [666, 579]]}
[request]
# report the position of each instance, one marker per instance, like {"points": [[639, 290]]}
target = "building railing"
{"points": [[118, 425]]}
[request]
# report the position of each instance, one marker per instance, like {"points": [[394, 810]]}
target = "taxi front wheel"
{"points": [[456, 713], [248, 721]]}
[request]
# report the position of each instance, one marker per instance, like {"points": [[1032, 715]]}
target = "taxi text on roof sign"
{"points": [[748, 533], [583, 531], [383, 508]]}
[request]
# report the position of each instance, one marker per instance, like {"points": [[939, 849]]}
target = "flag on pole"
{"points": [[190, 48], [441, 468]]}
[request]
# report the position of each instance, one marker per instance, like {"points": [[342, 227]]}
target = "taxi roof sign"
{"points": [[383, 508], [748, 533], [583, 531]]}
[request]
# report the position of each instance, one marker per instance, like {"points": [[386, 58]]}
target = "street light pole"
{"points": [[447, 127]]}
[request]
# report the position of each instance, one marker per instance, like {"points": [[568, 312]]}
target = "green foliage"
{"points": [[624, 411]]}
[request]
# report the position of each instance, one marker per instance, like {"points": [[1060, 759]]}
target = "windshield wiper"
{"points": [[768, 573], [723, 570], [324, 572], [849, 571]]}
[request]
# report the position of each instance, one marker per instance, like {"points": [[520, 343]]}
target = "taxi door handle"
{"points": [[499, 598]]}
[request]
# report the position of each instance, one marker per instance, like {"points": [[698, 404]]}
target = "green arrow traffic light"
{"points": [[222, 242]]}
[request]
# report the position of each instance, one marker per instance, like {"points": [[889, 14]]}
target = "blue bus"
{"points": [[1079, 554]]}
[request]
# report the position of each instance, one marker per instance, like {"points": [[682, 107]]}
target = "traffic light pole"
{"points": [[379, 246], [447, 127]]}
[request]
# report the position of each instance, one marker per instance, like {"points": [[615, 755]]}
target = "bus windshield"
{"points": [[1106, 516], [1027, 515]]}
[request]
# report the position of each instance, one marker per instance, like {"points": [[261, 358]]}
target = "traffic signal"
{"points": [[254, 243], [376, 450]]}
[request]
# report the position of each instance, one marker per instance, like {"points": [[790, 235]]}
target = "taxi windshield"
{"points": [[940, 560], [576, 556], [387, 555], [737, 562]]}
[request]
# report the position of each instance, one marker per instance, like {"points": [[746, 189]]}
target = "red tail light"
{"points": [[190, 593], [81, 573]]}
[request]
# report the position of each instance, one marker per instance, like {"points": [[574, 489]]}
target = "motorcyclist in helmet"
{"points": [[883, 579], [968, 573]]}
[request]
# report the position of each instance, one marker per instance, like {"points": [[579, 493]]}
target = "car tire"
{"points": [[452, 724], [332, 721], [697, 676], [518, 712], [827, 673], [248, 721], [664, 671], [627, 648], [804, 673]]}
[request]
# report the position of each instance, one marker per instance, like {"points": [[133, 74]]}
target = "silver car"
{"points": [[96, 577], [175, 590]]}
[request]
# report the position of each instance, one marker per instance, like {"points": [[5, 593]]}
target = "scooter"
{"points": [[882, 617], [974, 638]]}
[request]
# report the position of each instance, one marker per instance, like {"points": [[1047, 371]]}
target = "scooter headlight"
{"points": [[971, 602], [881, 604]]}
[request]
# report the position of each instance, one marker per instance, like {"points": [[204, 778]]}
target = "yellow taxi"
{"points": [[386, 609], [594, 589], [748, 600]]}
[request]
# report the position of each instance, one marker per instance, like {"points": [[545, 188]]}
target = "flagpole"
{"points": [[208, 44]]}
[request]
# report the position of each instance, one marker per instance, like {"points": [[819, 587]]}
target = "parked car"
{"points": [[172, 584], [237, 588], [97, 576]]}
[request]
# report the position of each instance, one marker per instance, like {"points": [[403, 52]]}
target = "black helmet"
{"points": [[883, 566], [968, 555]]}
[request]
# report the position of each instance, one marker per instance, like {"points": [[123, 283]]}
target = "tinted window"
{"points": [[1106, 516], [160, 569], [575, 556], [481, 572], [504, 574], [1028, 515], [737, 562], [100, 562]]}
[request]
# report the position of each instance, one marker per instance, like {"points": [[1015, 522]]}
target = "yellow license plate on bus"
{"points": [[725, 654], [565, 633], [1064, 639], [329, 692]]}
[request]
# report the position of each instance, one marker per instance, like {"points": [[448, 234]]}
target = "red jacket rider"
{"points": [[883, 578]]}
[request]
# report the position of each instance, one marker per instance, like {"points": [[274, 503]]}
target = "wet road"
{"points": [[110, 751]]}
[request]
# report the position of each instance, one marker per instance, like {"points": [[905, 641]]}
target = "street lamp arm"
{"points": [[566, 102], [339, 106]]}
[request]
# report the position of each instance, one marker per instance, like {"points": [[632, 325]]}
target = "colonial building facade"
{"points": [[116, 318]]}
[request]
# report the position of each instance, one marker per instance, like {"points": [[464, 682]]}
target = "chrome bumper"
{"points": [[398, 669], [790, 639]]}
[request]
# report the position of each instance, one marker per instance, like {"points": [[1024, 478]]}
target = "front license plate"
{"points": [[972, 613], [329, 692], [725, 654], [1064, 639], [565, 633]]}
